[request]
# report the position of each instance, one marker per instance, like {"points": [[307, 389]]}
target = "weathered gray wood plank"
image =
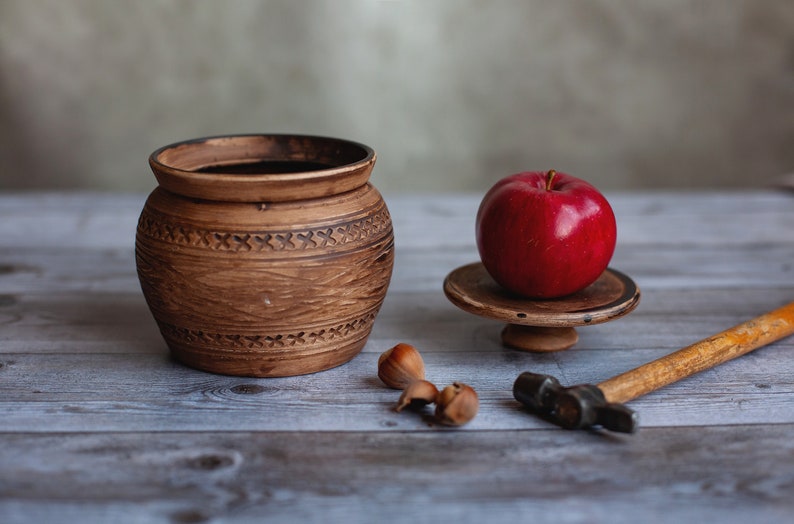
{"points": [[98, 322], [500, 477], [654, 267], [124, 392], [97, 221]]}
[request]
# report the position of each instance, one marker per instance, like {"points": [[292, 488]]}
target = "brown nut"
{"points": [[456, 404], [401, 365], [417, 394]]}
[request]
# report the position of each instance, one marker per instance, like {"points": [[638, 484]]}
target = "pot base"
{"points": [[264, 366], [539, 339]]}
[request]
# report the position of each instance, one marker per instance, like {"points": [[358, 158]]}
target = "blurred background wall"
{"points": [[452, 94]]}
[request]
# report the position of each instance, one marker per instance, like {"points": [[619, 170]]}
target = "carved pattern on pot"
{"points": [[265, 341], [356, 231]]}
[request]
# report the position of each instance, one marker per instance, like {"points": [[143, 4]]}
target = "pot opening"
{"points": [[266, 167], [262, 154], [262, 168]]}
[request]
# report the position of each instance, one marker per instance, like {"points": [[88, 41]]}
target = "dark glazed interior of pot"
{"points": [[262, 154]]}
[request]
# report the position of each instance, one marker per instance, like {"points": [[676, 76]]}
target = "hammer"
{"points": [[587, 405]]}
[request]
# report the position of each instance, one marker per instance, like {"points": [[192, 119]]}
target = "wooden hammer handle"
{"points": [[707, 353]]}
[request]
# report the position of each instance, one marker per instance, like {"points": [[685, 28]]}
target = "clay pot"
{"points": [[264, 255]]}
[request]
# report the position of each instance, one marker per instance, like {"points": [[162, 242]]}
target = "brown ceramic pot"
{"points": [[264, 255]]}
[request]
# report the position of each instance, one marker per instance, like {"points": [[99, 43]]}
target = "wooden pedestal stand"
{"points": [[541, 325]]}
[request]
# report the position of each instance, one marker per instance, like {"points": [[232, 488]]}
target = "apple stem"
{"points": [[549, 178]]}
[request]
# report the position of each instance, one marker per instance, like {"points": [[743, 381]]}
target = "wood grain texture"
{"points": [[99, 424], [536, 324], [385, 477], [610, 297]]}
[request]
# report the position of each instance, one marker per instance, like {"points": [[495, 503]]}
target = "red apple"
{"points": [[545, 235]]}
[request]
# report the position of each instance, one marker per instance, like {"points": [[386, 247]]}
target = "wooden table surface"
{"points": [[98, 424]]}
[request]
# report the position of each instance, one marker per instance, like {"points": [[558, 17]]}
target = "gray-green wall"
{"points": [[453, 94]]}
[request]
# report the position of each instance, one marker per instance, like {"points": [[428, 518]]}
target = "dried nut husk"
{"points": [[401, 365], [417, 394], [456, 404]]}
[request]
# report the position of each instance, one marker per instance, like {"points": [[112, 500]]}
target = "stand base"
{"points": [[541, 325], [539, 339]]}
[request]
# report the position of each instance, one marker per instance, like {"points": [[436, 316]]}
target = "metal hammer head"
{"points": [[574, 407]]}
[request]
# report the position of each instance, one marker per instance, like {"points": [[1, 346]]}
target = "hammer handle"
{"points": [[707, 353]]}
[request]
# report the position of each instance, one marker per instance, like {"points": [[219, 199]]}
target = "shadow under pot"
{"points": [[264, 255]]}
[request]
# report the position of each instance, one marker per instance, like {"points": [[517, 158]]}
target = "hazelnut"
{"points": [[401, 365], [417, 394], [456, 404]]}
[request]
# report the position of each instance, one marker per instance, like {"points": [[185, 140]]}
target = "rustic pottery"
{"points": [[264, 255]]}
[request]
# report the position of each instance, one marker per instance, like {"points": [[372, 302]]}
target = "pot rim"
{"points": [[177, 166]]}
